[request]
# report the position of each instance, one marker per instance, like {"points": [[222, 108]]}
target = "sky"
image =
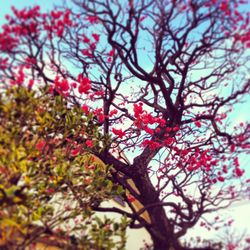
{"points": [[237, 212]]}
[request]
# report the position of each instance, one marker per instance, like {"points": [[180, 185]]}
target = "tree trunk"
{"points": [[163, 245], [173, 244]]}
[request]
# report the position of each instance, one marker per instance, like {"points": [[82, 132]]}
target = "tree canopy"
{"points": [[123, 98], [49, 179]]}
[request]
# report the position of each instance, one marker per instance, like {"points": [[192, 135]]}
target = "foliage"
{"points": [[162, 79], [49, 178]]}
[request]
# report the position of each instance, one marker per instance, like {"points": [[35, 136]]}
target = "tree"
{"points": [[160, 78], [49, 181]]}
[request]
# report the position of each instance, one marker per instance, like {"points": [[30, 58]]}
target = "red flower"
{"points": [[168, 129], [96, 37], [55, 14], [4, 63], [30, 84], [92, 46], [224, 6], [142, 18], [85, 39], [62, 86], [83, 80], [75, 151], [148, 130], [131, 198], [85, 84], [169, 141], [73, 85], [138, 109], [101, 117], [236, 162], [224, 169], [50, 190], [232, 148], [93, 19], [99, 114], [239, 172], [30, 60], [89, 143], [66, 17], [113, 112], [221, 179], [40, 145], [60, 31], [151, 144], [85, 109], [86, 52], [84, 89], [198, 124], [111, 52], [98, 93], [202, 224], [118, 132]]}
